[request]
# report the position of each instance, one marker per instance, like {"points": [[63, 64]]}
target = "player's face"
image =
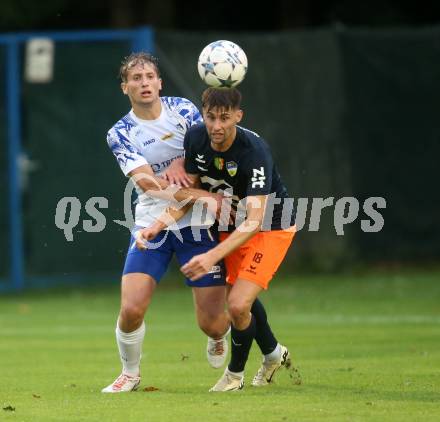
{"points": [[221, 126], [142, 85]]}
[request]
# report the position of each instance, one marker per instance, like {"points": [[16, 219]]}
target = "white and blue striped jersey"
{"points": [[136, 142]]}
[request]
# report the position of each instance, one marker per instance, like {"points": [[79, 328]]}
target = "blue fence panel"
{"points": [[4, 223], [20, 263]]}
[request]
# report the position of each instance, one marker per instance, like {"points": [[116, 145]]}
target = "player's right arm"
{"points": [[134, 165], [130, 159], [160, 188]]}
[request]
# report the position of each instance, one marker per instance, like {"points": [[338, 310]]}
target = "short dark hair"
{"points": [[227, 98], [137, 58]]}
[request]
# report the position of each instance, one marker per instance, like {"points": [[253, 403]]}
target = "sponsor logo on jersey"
{"points": [[167, 136], [202, 168], [221, 186], [258, 178], [231, 167], [219, 163], [157, 167], [148, 142], [200, 159]]}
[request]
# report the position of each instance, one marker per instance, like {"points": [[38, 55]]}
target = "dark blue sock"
{"points": [[241, 342], [264, 335]]}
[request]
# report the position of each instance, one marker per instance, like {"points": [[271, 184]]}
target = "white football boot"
{"points": [[123, 384], [229, 381], [267, 370], [217, 350]]}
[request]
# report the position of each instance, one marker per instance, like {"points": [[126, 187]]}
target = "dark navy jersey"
{"points": [[245, 169]]}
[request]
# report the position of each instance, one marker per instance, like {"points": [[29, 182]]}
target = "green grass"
{"points": [[367, 348]]}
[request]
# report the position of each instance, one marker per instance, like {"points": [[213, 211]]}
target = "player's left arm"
{"points": [[255, 207], [201, 264]]}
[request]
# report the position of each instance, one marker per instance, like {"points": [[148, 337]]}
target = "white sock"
{"points": [[273, 356], [235, 374], [130, 349]]}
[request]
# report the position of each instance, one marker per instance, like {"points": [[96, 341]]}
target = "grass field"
{"points": [[367, 348]]}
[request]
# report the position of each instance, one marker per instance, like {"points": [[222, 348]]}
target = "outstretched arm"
{"points": [[158, 187], [201, 264]]}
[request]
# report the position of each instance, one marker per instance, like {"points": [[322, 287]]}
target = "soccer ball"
{"points": [[222, 64]]}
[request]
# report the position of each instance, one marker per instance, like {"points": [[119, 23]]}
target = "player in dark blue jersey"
{"points": [[236, 162], [243, 169]]}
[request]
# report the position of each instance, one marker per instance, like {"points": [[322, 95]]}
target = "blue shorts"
{"points": [[155, 260]]}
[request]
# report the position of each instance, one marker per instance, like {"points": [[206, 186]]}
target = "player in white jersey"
{"points": [[145, 142]]}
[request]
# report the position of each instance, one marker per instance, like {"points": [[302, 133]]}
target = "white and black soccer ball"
{"points": [[222, 64]]}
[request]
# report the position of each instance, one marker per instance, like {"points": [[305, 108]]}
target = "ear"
{"points": [[239, 116], [124, 87], [160, 84]]}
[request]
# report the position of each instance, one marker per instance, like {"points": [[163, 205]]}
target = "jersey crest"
{"points": [[231, 167]]}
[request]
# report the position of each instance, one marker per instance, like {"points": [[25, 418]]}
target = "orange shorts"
{"points": [[258, 259]]}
